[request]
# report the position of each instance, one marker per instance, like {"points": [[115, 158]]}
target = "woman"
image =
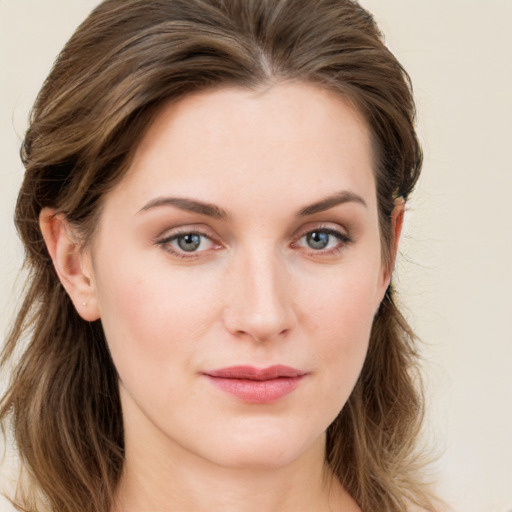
{"points": [[213, 199]]}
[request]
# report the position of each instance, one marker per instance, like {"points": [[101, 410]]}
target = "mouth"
{"points": [[257, 385]]}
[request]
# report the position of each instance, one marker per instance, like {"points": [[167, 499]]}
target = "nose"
{"points": [[259, 298]]}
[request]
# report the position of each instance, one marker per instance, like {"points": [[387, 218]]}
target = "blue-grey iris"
{"points": [[317, 239], [189, 242]]}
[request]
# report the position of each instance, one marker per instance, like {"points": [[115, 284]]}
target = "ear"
{"points": [[72, 264], [397, 220]]}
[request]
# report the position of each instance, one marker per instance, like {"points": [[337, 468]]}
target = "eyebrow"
{"points": [[189, 205], [330, 202], [211, 210]]}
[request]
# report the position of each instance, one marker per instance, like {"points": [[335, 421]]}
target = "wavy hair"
{"points": [[125, 61]]}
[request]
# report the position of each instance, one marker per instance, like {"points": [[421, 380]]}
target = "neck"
{"points": [[160, 481], [164, 474]]}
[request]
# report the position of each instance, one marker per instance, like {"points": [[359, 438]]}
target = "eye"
{"points": [[323, 240], [187, 243], [318, 239]]}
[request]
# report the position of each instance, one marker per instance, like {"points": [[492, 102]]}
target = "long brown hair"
{"points": [[125, 60]]}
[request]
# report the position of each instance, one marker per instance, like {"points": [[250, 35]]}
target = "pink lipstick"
{"points": [[257, 386]]}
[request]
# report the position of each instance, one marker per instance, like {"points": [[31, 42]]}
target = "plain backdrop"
{"points": [[455, 268]]}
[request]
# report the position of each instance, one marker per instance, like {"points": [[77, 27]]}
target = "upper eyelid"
{"points": [[170, 233], [334, 228], [167, 240], [174, 236], [342, 237], [167, 243]]}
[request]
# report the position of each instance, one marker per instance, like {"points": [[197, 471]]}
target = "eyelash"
{"points": [[343, 240], [167, 241]]}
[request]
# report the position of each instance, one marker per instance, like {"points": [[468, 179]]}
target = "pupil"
{"points": [[189, 242], [318, 240]]}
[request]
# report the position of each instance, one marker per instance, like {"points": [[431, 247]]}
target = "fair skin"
{"points": [[245, 233]]}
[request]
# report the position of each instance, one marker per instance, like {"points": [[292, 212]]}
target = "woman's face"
{"points": [[237, 270]]}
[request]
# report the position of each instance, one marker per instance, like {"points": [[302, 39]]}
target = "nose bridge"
{"points": [[260, 299]]}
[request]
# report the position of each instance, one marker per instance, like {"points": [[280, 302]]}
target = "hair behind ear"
{"points": [[65, 386], [378, 426]]}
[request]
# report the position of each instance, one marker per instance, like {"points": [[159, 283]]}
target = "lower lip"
{"points": [[257, 391]]}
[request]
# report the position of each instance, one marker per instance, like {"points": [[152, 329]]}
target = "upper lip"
{"points": [[252, 373]]}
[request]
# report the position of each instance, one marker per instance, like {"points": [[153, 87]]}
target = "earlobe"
{"points": [[72, 265]]}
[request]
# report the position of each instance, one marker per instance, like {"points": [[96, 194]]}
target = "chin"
{"points": [[272, 451]]}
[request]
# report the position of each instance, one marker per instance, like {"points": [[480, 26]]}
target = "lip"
{"points": [[256, 385]]}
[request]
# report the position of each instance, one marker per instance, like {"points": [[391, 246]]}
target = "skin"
{"points": [[254, 292]]}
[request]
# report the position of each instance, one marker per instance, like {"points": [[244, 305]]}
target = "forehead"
{"points": [[286, 139]]}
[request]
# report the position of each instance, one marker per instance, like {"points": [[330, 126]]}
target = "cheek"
{"points": [[340, 320], [152, 315], [344, 301]]}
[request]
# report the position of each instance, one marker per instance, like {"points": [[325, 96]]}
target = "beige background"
{"points": [[455, 272]]}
